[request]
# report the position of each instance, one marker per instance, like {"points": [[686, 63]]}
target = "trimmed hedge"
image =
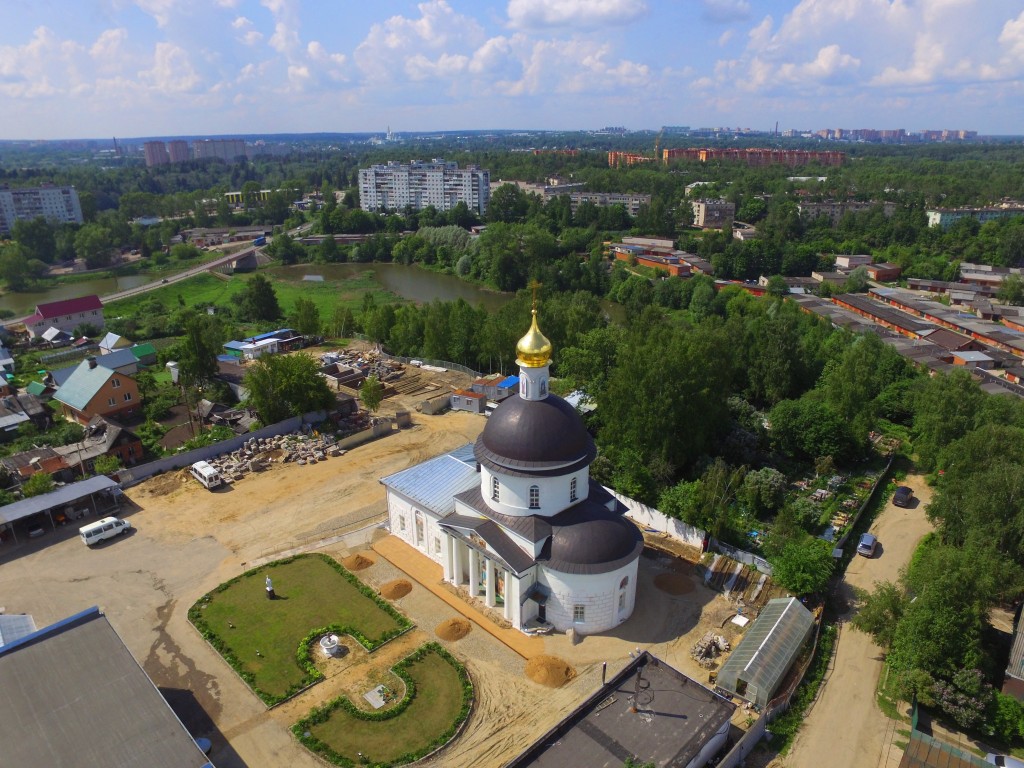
{"points": [[303, 655], [323, 714]]}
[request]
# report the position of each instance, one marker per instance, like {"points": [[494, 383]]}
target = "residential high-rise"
{"points": [[417, 185], [58, 204], [228, 150], [156, 153], [178, 151]]}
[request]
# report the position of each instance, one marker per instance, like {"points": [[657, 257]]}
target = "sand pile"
{"points": [[453, 629], [357, 562], [550, 671], [393, 590], [674, 583]]}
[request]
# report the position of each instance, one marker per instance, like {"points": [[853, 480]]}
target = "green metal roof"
{"points": [[82, 385], [772, 643], [36, 388], [143, 350]]}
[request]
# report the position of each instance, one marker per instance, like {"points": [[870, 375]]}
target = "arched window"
{"points": [[543, 387], [534, 497], [495, 489], [572, 489], [624, 583]]}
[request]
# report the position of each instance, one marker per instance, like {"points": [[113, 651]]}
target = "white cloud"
{"points": [[172, 70], [725, 37], [108, 48], [44, 66], [533, 14], [1012, 37], [161, 10], [247, 35], [826, 66]]}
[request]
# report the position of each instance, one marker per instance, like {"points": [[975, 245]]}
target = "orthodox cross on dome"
{"points": [[535, 286]]}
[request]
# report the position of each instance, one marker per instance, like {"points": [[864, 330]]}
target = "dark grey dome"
{"points": [[588, 544], [530, 435]]}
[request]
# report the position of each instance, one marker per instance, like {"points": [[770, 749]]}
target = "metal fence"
{"points": [[742, 556], [78, 353], [436, 363], [882, 478]]}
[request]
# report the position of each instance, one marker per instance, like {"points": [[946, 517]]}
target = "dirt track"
{"points": [[845, 728]]}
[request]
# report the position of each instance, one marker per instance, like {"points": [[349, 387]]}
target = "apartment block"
{"points": [[836, 209], [156, 153], [178, 151], [713, 214], [418, 185], [228, 150], [57, 204], [947, 217]]}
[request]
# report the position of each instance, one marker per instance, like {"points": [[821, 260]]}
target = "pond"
{"points": [[412, 283], [24, 303]]}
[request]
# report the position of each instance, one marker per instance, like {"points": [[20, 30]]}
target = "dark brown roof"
{"points": [[528, 437], [515, 558]]}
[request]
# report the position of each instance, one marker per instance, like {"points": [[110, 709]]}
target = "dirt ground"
{"points": [[845, 727], [187, 540]]}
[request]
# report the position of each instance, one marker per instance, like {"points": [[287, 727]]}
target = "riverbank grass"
{"points": [[267, 641]]}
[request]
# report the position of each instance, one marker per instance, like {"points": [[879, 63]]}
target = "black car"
{"points": [[903, 496]]}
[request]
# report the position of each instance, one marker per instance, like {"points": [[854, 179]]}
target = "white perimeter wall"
{"points": [[651, 519], [598, 593]]}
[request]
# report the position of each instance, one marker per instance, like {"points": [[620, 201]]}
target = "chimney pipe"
{"points": [[91, 360]]}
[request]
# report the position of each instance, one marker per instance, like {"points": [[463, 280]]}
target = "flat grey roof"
{"points": [[72, 695], [676, 718], [66, 495]]}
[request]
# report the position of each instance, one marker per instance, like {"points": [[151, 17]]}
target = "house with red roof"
{"points": [[65, 315]]}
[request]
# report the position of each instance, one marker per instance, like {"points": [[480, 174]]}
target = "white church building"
{"points": [[515, 519]]}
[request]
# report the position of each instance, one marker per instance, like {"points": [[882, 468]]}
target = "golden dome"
{"points": [[534, 349]]}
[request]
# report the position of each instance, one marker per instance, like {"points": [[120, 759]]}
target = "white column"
{"points": [[449, 567], [511, 595], [489, 586], [456, 561], [474, 572]]}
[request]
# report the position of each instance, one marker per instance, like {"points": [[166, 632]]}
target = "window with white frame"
{"points": [[572, 490], [534, 497], [495, 489], [401, 523], [111, 401], [579, 614], [127, 397], [115, 383]]}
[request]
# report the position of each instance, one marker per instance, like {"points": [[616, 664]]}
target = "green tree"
{"points": [[371, 393], [37, 237], [14, 267], [306, 317], [1011, 290], [880, 612], [37, 485], [508, 204], [946, 408], [196, 354], [93, 244], [106, 465], [342, 322], [258, 302], [286, 385], [764, 491], [804, 565]]}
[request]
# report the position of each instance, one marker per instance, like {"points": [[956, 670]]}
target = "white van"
{"points": [[107, 528], [204, 472]]}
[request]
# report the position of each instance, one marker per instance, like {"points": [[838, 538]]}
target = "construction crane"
{"points": [[657, 144]]}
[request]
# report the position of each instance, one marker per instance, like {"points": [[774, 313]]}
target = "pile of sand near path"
{"points": [[453, 629], [674, 583], [357, 562], [396, 589], [550, 671]]}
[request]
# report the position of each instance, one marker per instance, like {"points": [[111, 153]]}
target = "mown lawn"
{"points": [[264, 635], [432, 711]]}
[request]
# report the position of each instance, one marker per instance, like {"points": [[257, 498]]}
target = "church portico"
{"points": [[481, 575]]}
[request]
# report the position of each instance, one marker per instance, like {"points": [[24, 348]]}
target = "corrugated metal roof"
{"points": [[923, 751], [1016, 666], [143, 350], [435, 483], [82, 385], [66, 495], [72, 694], [119, 358], [68, 306], [512, 382], [111, 340]]}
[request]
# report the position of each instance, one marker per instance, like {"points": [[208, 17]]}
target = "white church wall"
{"points": [[514, 492], [598, 594], [415, 526]]}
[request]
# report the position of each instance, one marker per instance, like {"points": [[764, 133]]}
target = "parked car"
{"points": [[867, 545], [1005, 760], [35, 531], [903, 496]]}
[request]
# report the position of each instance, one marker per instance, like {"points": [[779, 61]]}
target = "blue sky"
{"points": [[99, 68]]}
